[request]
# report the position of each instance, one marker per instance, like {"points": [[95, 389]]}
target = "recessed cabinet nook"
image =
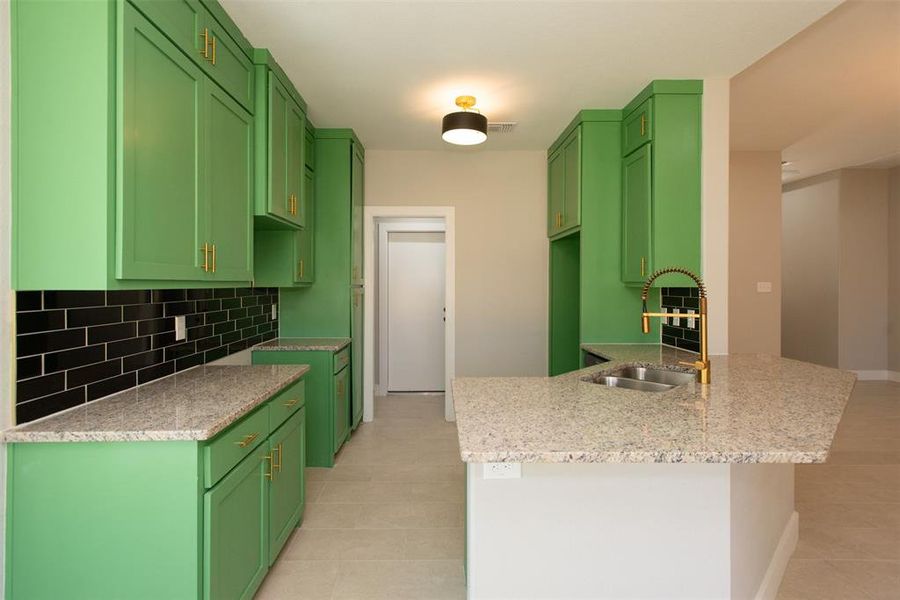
{"points": [[623, 199]]}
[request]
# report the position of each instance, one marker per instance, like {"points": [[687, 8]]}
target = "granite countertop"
{"points": [[297, 344], [757, 409], [195, 404]]}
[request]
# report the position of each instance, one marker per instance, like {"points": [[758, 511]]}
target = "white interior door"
{"points": [[415, 335]]}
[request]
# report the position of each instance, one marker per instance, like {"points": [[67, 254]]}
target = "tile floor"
{"points": [[849, 546], [387, 521]]}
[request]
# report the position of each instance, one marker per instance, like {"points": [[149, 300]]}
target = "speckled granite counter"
{"points": [[192, 405], [758, 409], [299, 344]]}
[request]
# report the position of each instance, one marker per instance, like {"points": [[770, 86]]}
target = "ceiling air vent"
{"points": [[502, 126]]}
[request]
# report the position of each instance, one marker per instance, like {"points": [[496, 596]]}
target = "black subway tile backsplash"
{"points": [[681, 335], [77, 346]]}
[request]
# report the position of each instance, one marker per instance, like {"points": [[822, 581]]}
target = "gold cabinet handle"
{"points": [[268, 474], [301, 268], [213, 258], [205, 250], [276, 466], [643, 265], [214, 51], [643, 118], [205, 36], [291, 403], [247, 440]]}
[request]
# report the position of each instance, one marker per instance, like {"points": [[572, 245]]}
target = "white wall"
{"points": [[754, 323], [6, 296], [500, 202], [714, 212], [810, 255], [894, 274]]}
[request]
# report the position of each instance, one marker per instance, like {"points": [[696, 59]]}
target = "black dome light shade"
{"points": [[465, 127]]}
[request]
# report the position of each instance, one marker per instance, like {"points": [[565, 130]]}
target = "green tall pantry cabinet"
{"points": [[161, 148]]}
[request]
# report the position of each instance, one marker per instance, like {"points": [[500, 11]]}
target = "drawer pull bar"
{"points": [[268, 474], [248, 439], [276, 466], [291, 403]]}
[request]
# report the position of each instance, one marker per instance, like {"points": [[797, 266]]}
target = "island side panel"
{"points": [[104, 520], [600, 531], [763, 527]]}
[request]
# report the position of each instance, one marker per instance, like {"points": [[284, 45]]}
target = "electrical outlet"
{"points": [[764, 287], [690, 322], [502, 470], [180, 330], [274, 311]]}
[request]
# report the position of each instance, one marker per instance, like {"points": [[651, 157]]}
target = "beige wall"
{"points": [[862, 323], [501, 246], [810, 260], [754, 238], [894, 272]]}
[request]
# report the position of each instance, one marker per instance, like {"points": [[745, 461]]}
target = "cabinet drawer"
{"points": [[637, 128], [225, 62], [342, 359], [229, 447], [286, 403]]}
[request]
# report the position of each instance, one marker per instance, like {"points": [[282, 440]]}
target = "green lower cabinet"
{"points": [[327, 410], [356, 361], [341, 407], [235, 536], [286, 491], [157, 519]]}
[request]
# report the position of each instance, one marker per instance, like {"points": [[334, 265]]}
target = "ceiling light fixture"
{"points": [[466, 127]]}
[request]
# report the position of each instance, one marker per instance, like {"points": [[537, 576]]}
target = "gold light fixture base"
{"points": [[465, 102]]}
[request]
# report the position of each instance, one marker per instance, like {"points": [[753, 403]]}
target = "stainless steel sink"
{"points": [[643, 379], [663, 376]]}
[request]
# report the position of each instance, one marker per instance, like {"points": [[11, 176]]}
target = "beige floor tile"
{"points": [[417, 472], [878, 580], [346, 544], [817, 513], [441, 491], [871, 427], [300, 580], [429, 544], [401, 580], [331, 516], [817, 580], [864, 457], [848, 543], [366, 492], [313, 490], [411, 516]]}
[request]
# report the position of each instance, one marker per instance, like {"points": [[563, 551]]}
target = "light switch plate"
{"points": [[502, 470], [764, 287], [180, 329]]}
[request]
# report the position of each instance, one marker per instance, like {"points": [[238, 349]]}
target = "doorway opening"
{"points": [[409, 310]]}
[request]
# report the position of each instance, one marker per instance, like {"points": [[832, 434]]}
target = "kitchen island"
{"points": [[686, 493]]}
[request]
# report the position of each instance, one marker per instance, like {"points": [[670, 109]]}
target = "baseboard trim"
{"points": [[878, 375], [771, 581]]}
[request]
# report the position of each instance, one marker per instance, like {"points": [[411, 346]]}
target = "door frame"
{"points": [[384, 229], [370, 232]]}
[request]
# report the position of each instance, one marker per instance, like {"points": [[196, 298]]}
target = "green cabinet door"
{"points": [[356, 216], [162, 130], [296, 134], [229, 186], [636, 215], [556, 192], [225, 62], [279, 108], [235, 529], [356, 361], [305, 238], [287, 445], [572, 202], [341, 408]]}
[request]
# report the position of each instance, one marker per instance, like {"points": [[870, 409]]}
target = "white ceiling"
{"points": [[830, 97], [391, 70]]}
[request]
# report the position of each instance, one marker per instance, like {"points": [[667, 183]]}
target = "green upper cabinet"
{"points": [[636, 128], [225, 62], [132, 192], [564, 185], [163, 130], [306, 273], [229, 176], [636, 196], [356, 214], [280, 147], [661, 180]]}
